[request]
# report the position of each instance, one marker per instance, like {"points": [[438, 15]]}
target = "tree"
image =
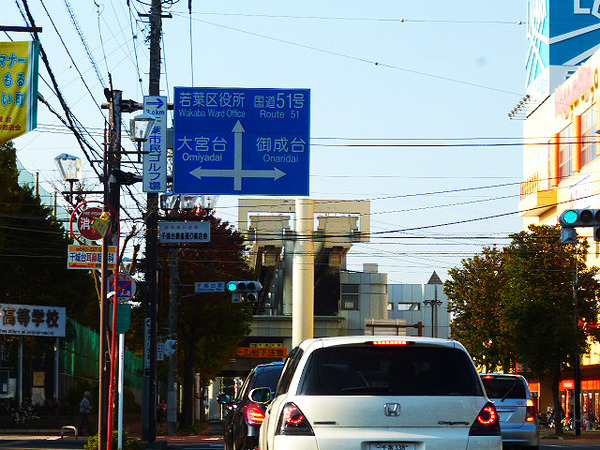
{"points": [[539, 302], [476, 306], [33, 264], [525, 292], [210, 327], [33, 251]]}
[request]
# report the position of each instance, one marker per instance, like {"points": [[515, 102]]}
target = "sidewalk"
{"points": [[591, 438]]}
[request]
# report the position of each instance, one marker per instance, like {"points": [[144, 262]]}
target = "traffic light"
{"points": [[578, 218], [244, 290]]}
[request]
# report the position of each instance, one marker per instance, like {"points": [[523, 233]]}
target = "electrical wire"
{"points": [[360, 59]]}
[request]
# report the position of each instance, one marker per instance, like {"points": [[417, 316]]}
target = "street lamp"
{"points": [[140, 129], [70, 169]]}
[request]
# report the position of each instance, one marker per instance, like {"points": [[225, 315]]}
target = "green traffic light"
{"points": [[570, 216], [232, 286]]}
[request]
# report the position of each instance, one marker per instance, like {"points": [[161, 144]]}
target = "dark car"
{"points": [[244, 417]]}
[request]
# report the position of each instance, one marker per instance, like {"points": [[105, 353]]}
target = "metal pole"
{"points": [[20, 375], [121, 388], [56, 368], [172, 374], [576, 365]]}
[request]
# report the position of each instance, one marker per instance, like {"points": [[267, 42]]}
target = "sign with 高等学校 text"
{"points": [[33, 320], [18, 88]]}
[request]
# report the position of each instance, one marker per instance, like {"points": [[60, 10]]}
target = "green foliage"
{"points": [[476, 305], [33, 251], [516, 304], [129, 443], [210, 327]]}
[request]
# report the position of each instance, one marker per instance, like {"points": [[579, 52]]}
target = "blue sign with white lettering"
{"points": [[241, 141], [561, 35]]}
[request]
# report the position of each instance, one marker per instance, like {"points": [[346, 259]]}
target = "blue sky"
{"points": [[423, 87]]}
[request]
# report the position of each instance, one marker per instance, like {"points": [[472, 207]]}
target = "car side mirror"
{"points": [[224, 399], [260, 395]]}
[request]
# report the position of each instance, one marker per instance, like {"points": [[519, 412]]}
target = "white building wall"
{"points": [[409, 302]]}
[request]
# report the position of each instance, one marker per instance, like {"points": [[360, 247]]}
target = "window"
{"points": [[396, 370], [565, 153], [504, 387], [390, 306], [349, 296], [288, 370], [409, 306], [588, 136]]}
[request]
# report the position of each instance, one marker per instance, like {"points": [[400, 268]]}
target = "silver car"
{"points": [[518, 421]]}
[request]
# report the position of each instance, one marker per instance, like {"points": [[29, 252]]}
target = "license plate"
{"points": [[392, 446]]}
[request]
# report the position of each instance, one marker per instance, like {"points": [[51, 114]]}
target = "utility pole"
{"points": [[150, 310], [112, 205]]}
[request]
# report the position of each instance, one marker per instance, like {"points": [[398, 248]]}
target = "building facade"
{"points": [[561, 170], [421, 303]]}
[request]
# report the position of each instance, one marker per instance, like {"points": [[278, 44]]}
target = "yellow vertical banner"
{"points": [[18, 88]]}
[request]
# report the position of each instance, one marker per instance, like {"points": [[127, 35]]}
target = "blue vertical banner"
{"points": [[18, 88], [241, 141], [155, 148]]}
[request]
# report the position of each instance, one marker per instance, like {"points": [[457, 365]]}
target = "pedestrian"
{"points": [[161, 411], [84, 408]]}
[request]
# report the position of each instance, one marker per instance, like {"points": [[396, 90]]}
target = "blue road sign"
{"points": [[241, 141]]}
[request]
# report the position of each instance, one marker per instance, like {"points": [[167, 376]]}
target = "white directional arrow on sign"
{"points": [[237, 173]]}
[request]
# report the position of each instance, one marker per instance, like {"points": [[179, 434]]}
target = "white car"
{"points": [[380, 393]]}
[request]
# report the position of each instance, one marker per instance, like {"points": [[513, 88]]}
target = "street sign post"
{"points": [[209, 286], [127, 286], [171, 232], [155, 161], [241, 141]]}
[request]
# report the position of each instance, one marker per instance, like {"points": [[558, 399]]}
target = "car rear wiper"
{"points": [[512, 386], [367, 389]]}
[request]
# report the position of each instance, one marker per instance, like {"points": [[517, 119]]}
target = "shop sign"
{"points": [[32, 320], [183, 232], [576, 89], [18, 89], [567, 385], [90, 257], [262, 352]]}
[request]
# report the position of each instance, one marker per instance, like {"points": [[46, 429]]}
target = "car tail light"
{"points": [[487, 422], [391, 342], [254, 414], [293, 422], [531, 412]]}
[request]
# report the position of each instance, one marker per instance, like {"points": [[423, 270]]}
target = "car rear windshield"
{"points": [[390, 370], [504, 387], [267, 377]]}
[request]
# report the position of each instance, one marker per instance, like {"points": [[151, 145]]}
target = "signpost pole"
{"points": [[172, 374]]}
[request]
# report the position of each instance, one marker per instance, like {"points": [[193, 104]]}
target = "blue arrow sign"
{"points": [[241, 141]]}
